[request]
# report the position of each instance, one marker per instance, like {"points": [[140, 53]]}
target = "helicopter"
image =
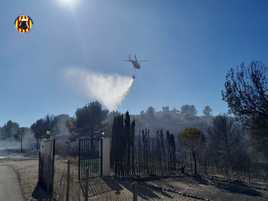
{"points": [[135, 62]]}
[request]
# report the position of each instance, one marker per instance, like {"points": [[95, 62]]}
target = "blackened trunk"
{"points": [[195, 165]]}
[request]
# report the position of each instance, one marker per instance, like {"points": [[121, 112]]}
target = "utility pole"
{"points": [[20, 143], [68, 181], [21, 133]]}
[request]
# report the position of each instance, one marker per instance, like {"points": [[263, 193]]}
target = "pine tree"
{"points": [[127, 138], [163, 150], [132, 142]]}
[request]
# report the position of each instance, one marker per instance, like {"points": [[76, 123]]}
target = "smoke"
{"points": [[109, 90], [61, 127], [28, 142], [9, 144]]}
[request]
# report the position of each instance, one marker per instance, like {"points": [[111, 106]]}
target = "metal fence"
{"points": [[148, 168], [90, 158]]}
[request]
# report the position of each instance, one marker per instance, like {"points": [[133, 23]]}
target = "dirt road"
{"points": [[9, 185]]}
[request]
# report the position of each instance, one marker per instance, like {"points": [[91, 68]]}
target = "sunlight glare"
{"points": [[71, 4]]}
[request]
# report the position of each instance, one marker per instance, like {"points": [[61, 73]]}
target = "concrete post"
{"points": [[106, 149]]}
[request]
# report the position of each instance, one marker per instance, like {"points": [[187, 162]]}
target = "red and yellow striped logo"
{"points": [[28, 23]]}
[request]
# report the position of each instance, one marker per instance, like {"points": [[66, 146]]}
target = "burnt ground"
{"points": [[216, 190], [183, 188]]}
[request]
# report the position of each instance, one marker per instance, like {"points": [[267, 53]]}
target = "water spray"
{"points": [[109, 89]]}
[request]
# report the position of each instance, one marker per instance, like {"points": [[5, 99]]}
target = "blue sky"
{"points": [[190, 44]]}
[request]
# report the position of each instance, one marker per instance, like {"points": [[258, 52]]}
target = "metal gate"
{"points": [[90, 157]]}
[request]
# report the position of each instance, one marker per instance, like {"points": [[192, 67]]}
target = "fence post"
{"points": [[68, 180], [79, 159], [87, 184], [135, 196], [53, 167], [101, 156]]}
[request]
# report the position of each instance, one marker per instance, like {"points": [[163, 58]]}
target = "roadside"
{"points": [[10, 189], [180, 188], [27, 171]]}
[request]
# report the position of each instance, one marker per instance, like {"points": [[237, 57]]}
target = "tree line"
{"points": [[223, 148], [231, 144]]}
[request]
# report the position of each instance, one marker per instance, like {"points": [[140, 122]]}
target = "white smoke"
{"points": [[109, 90]]}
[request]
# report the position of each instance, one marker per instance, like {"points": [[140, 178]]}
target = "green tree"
{"points": [[225, 142], [115, 139], [193, 138], [188, 111], [132, 143], [10, 130], [171, 149], [127, 137], [118, 144], [123, 134], [42, 128], [90, 118], [246, 93], [150, 112], [207, 111]]}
